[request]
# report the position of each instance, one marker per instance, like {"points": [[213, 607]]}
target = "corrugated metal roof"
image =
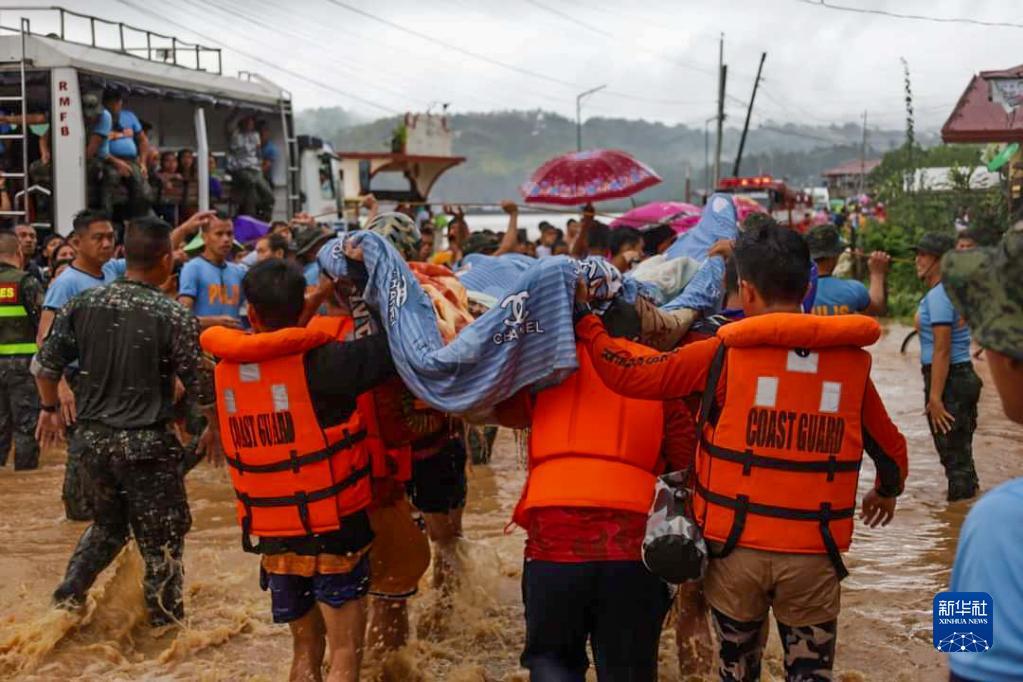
{"points": [[49, 53], [978, 118]]}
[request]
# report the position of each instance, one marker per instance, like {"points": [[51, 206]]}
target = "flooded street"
{"points": [[884, 628]]}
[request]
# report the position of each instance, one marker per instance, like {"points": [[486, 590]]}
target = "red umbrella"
{"points": [[584, 177]]}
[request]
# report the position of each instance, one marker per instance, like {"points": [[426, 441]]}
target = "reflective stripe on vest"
{"points": [[27, 348], [18, 348], [779, 462], [591, 447], [17, 330], [292, 477]]}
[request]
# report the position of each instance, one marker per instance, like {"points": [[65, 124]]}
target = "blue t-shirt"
{"points": [[104, 124], [270, 153], [74, 281], [988, 559], [125, 147], [937, 309], [216, 289], [840, 296]]}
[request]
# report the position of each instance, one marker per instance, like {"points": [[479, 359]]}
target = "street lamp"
{"points": [[578, 115]]}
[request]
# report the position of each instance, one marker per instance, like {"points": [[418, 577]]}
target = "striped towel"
{"points": [[526, 340]]}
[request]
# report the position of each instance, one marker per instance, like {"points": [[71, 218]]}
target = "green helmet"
{"points": [[398, 229]]}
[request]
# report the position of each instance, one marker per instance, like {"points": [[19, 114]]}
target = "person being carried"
{"points": [[286, 402], [843, 296], [788, 409], [131, 342]]}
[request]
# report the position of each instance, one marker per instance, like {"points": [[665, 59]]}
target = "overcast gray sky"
{"points": [[657, 57]]}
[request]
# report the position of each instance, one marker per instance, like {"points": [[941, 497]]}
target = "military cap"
{"points": [[935, 244], [825, 242]]}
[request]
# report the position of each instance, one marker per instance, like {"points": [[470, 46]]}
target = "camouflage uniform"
{"points": [[809, 650], [21, 299], [131, 341], [77, 490], [986, 286], [138, 487]]}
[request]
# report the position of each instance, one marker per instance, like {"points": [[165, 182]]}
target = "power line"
{"points": [[599, 31], [917, 17], [470, 53], [257, 58], [496, 62], [236, 11]]}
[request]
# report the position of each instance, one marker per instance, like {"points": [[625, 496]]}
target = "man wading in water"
{"points": [[130, 341], [776, 504], [296, 446]]}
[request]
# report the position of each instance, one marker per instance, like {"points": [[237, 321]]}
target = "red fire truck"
{"points": [[786, 205]]}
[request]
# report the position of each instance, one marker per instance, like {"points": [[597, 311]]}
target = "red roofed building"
{"points": [[845, 181], [989, 110]]}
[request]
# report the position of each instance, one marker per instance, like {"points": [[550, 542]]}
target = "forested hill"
{"points": [[502, 148]]}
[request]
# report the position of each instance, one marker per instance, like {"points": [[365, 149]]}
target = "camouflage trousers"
{"points": [[77, 492], [809, 650], [19, 411], [138, 489], [955, 448]]}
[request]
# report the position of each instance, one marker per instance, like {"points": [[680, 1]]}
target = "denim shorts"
{"points": [[292, 596]]}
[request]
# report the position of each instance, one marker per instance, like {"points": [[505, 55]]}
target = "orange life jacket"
{"points": [[291, 475], [778, 463], [392, 461], [590, 447]]}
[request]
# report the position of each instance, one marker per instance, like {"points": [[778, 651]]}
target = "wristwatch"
{"points": [[47, 408]]}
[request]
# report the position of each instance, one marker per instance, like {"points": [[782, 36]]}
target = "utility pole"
{"points": [[579, 115], [722, 76], [863, 155], [749, 112], [706, 155]]}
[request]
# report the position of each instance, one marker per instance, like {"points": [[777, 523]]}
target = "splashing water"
{"points": [[473, 632]]}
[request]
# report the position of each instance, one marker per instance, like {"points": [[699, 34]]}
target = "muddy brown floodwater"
{"points": [[884, 628]]}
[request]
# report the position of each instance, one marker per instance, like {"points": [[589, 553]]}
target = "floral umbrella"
{"points": [[585, 177]]}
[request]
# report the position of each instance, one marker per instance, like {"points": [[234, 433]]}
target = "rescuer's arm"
{"points": [[885, 445], [635, 372], [581, 245], [878, 265], [350, 368], [511, 235]]}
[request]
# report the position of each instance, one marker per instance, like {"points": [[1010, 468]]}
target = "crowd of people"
{"points": [[153, 351], [128, 176]]}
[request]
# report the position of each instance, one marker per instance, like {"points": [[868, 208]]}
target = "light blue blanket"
{"points": [[526, 340]]}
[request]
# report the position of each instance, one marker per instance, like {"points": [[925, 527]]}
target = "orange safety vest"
{"points": [[392, 461], [590, 447], [778, 463], [291, 475]]}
